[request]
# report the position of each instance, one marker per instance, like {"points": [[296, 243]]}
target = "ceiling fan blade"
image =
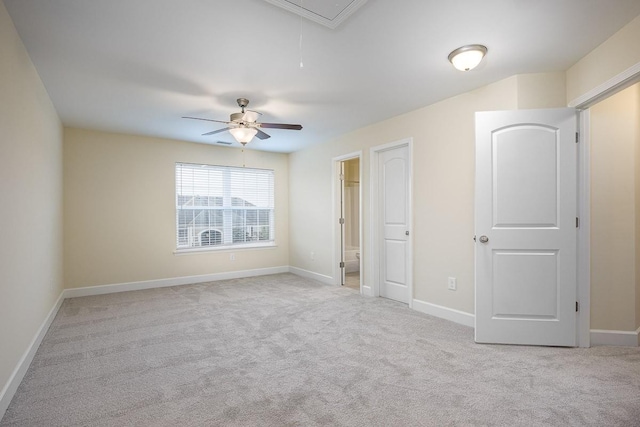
{"points": [[206, 120], [262, 135], [215, 131], [280, 126]]}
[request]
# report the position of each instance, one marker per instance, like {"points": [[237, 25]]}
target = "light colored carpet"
{"points": [[283, 351]]}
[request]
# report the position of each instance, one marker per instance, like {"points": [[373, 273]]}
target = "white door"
{"points": [[526, 205], [394, 213]]}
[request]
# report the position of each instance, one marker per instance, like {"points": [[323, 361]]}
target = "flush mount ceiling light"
{"points": [[243, 134], [467, 57]]}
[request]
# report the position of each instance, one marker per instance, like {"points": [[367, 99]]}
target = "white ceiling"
{"points": [[138, 66]]}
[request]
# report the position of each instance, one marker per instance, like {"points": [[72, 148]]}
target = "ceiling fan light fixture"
{"points": [[467, 57], [243, 126], [243, 134]]}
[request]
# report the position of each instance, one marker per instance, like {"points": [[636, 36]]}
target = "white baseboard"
{"points": [[460, 317], [327, 280], [615, 338], [174, 281], [23, 364]]}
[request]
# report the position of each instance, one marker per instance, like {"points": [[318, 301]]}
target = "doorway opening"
{"points": [[350, 206], [348, 219], [586, 336], [613, 126]]}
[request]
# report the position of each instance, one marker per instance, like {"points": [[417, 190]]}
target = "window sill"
{"points": [[209, 249]]}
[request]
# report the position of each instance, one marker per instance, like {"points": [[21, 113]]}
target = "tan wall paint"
{"points": [[611, 58], [31, 210], [614, 141], [120, 209], [443, 192], [543, 90]]}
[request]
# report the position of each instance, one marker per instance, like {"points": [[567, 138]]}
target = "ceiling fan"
{"points": [[244, 125]]}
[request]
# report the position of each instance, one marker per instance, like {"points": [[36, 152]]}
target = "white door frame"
{"points": [[335, 212], [583, 103], [374, 242]]}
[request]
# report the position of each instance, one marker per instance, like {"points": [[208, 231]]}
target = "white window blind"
{"points": [[219, 206]]}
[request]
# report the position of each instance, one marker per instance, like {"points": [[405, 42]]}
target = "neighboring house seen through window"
{"points": [[219, 206]]}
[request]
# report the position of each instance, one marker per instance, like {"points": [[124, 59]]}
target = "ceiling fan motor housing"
{"points": [[237, 117], [246, 118]]}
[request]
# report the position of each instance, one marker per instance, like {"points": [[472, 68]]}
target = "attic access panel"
{"points": [[328, 13]]}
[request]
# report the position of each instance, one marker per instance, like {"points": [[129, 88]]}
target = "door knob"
{"points": [[406, 233], [484, 239]]}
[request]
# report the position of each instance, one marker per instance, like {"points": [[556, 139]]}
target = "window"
{"points": [[221, 206]]}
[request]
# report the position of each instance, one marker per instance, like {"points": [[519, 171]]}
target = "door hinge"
{"points": [[577, 306], [341, 221], [577, 137], [577, 222], [341, 264], [341, 177]]}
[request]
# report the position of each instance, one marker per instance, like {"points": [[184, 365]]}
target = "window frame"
{"points": [[230, 211]]}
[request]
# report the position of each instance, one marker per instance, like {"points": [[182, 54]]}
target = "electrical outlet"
{"points": [[452, 285], [313, 256], [232, 257]]}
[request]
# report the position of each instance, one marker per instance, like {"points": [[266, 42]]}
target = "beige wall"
{"points": [[443, 192], [120, 215], [614, 237], [31, 208], [620, 52], [542, 90]]}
